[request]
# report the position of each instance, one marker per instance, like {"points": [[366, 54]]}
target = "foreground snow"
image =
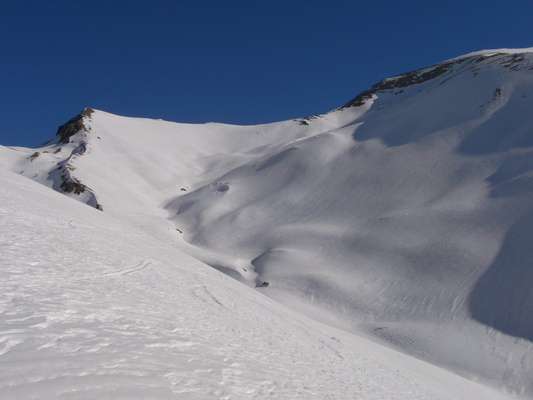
{"points": [[90, 308]]}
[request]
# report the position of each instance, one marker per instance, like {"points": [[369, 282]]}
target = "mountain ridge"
{"points": [[402, 215]]}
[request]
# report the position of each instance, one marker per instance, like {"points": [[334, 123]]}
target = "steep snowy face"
{"points": [[405, 214], [425, 137], [488, 90], [410, 221], [474, 62]]}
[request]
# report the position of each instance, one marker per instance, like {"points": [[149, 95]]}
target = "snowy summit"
{"points": [[381, 250]]}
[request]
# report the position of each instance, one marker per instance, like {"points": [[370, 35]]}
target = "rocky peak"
{"points": [[74, 125]]}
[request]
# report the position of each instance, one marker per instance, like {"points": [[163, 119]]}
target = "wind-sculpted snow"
{"points": [[405, 217], [408, 222], [91, 308], [503, 296]]}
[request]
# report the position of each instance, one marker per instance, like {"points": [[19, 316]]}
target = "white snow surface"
{"points": [[405, 219], [91, 308]]}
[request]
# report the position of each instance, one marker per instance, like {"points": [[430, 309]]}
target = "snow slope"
{"points": [[91, 308], [411, 223], [405, 215]]}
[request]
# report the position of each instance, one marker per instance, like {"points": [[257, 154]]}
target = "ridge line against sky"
{"points": [[225, 61]]}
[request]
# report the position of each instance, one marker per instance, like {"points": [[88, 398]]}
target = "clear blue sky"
{"points": [[241, 62]]}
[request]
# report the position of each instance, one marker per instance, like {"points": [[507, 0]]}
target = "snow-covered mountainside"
{"points": [[405, 216], [91, 308]]}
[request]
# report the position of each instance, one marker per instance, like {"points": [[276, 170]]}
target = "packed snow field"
{"points": [[92, 308], [400, 221]]}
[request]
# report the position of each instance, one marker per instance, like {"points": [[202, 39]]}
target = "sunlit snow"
{"points": [[381, 250]]}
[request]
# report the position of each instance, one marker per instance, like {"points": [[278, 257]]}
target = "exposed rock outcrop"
{"points": [[74, 125]]}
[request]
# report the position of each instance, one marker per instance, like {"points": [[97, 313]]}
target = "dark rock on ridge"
{"points": [[73, 126]]}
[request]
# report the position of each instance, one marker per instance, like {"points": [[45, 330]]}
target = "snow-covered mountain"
{"points": [[404, 216]]}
